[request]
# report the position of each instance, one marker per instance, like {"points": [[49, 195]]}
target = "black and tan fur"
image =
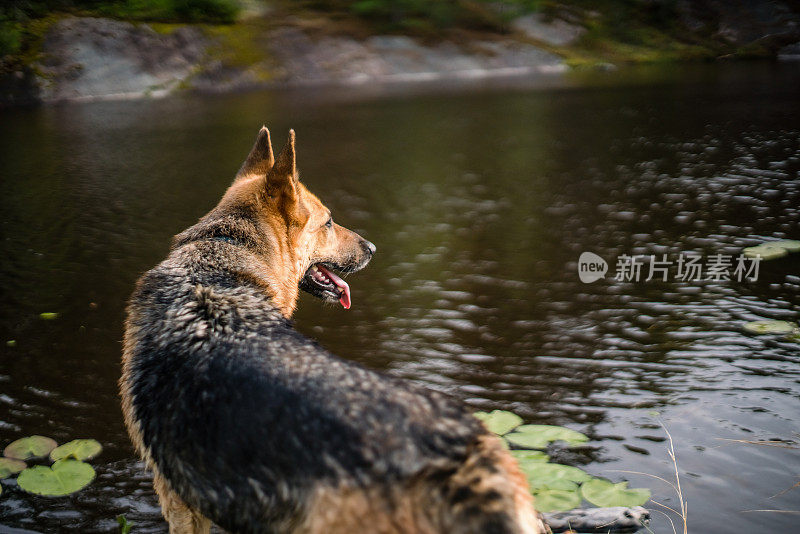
{"points": [[252, 426]]}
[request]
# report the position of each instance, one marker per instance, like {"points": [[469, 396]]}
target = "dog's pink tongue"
{"points": [[344, 296]]}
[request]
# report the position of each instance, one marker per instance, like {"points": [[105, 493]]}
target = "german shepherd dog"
{"points": [[250, 425]]}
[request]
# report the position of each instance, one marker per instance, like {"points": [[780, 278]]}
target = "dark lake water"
{"points": [[480, 203]]}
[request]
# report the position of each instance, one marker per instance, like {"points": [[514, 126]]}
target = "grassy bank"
{"points": [[617, 31], [22, 22]]}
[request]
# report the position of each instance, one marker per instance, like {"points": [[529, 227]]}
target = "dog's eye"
{"points": [[329, 222]]}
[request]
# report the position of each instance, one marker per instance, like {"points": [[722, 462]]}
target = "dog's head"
{"points": [[298, 238]]}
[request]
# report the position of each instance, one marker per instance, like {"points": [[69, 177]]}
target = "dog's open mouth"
{"points": [[323, 282]]}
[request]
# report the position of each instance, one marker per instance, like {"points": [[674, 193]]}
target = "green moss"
{"points": [[29, 50], [237, 45], [618, 31], [10, 37], [631, 32], [16, 18], [214, 11], [754, 50], [609, 50], [424, 18], [165, 28]]}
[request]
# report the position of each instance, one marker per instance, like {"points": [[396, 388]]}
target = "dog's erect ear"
{"points": [[282, 178], [260, 160]]}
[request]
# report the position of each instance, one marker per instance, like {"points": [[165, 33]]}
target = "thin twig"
{"points": [[670, 520], [684, 506], [670, 508], [646, 526], [786, 490], [683, 503]]}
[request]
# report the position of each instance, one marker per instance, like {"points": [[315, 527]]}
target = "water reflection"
{"points": [[480, 205]]}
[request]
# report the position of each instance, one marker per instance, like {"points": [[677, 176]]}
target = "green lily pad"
{"points": [[766, 252], [48, 316], [771, 327], [606, 494], [541, 474], [561, 484], [11, 466], [539, 436], [499, 421], [789, 244], [30, 447], [556, 500], [530, 456], [65, 477], [80, 449]]}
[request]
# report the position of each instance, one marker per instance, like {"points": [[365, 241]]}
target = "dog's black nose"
{"points": [[369, 247]]}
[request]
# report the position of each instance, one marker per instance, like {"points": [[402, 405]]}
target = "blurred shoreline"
{"points": [[84, 58]]}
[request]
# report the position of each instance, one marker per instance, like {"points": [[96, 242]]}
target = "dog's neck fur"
{"points": [[272, 263], [282, 284]]}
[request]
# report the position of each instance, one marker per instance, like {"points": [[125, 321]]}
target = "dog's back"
{"points": [[248, 423]]}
